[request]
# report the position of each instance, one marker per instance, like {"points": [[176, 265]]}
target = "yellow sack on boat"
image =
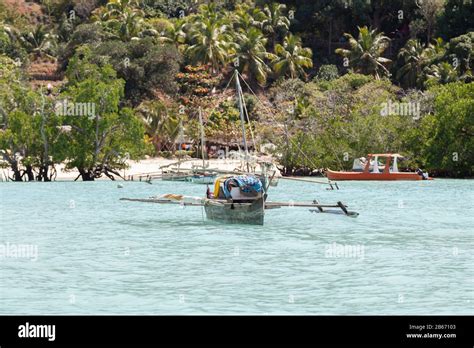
{"points": [[217, 186]]}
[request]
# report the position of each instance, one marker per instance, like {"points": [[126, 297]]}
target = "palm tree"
{"points": [[275, 23], [12, 32], [251, 54], [245, 17], [209, 11], [291, 58], [441, 73], [160, 122], [177, 34], [39, 41], [415, 58], [123, 18], [365, 53], [116, 8], [210, 42], [131, 24]]}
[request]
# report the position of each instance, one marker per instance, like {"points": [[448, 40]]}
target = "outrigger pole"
{"points": [[197, 201]]}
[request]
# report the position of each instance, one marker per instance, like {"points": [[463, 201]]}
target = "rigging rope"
{"points": [[247, 114], [274, 120]]}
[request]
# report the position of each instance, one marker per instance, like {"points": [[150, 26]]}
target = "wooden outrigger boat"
{"points": [[236, 206], [175, 176], [242, 198], [371, 170], [251, 213]]}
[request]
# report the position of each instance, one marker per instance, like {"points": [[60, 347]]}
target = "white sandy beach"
{"points": [[146, 166]]}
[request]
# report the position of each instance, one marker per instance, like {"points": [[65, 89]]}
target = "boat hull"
{"points": [[340, 176], [236, 213], [205, 180], [174, 177]]}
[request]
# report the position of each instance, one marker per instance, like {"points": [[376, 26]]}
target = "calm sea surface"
{"points": [[409, 252]]}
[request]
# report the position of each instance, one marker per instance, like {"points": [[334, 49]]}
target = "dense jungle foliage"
{"points": [[93, 83]]}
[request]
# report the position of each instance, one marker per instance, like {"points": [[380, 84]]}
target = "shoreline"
{"points": [[152, 165], [136, 168]]}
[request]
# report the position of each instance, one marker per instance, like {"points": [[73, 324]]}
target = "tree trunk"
{"points": [[86, 174], [155, 139], [29, 173], [330, 38], [429, 34], [377, 13], [16, 171], [43, 173]]}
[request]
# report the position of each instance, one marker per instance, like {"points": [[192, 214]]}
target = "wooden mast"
{"points": [[202, 139], [181, 139], [242, 118]]}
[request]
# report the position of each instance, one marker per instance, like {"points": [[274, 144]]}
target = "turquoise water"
{"points": [[409, 252]]}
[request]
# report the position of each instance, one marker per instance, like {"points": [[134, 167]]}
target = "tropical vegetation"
{"points": [[321, 81]]}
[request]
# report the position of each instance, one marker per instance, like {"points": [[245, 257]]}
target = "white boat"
{"points": [[205, 179]]}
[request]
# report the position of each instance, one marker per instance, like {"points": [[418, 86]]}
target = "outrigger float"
{"points": [[370, 169], [242, 199]]}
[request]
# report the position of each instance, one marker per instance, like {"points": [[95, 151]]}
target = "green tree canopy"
{"points": [[448, 133], [99, 140]]}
